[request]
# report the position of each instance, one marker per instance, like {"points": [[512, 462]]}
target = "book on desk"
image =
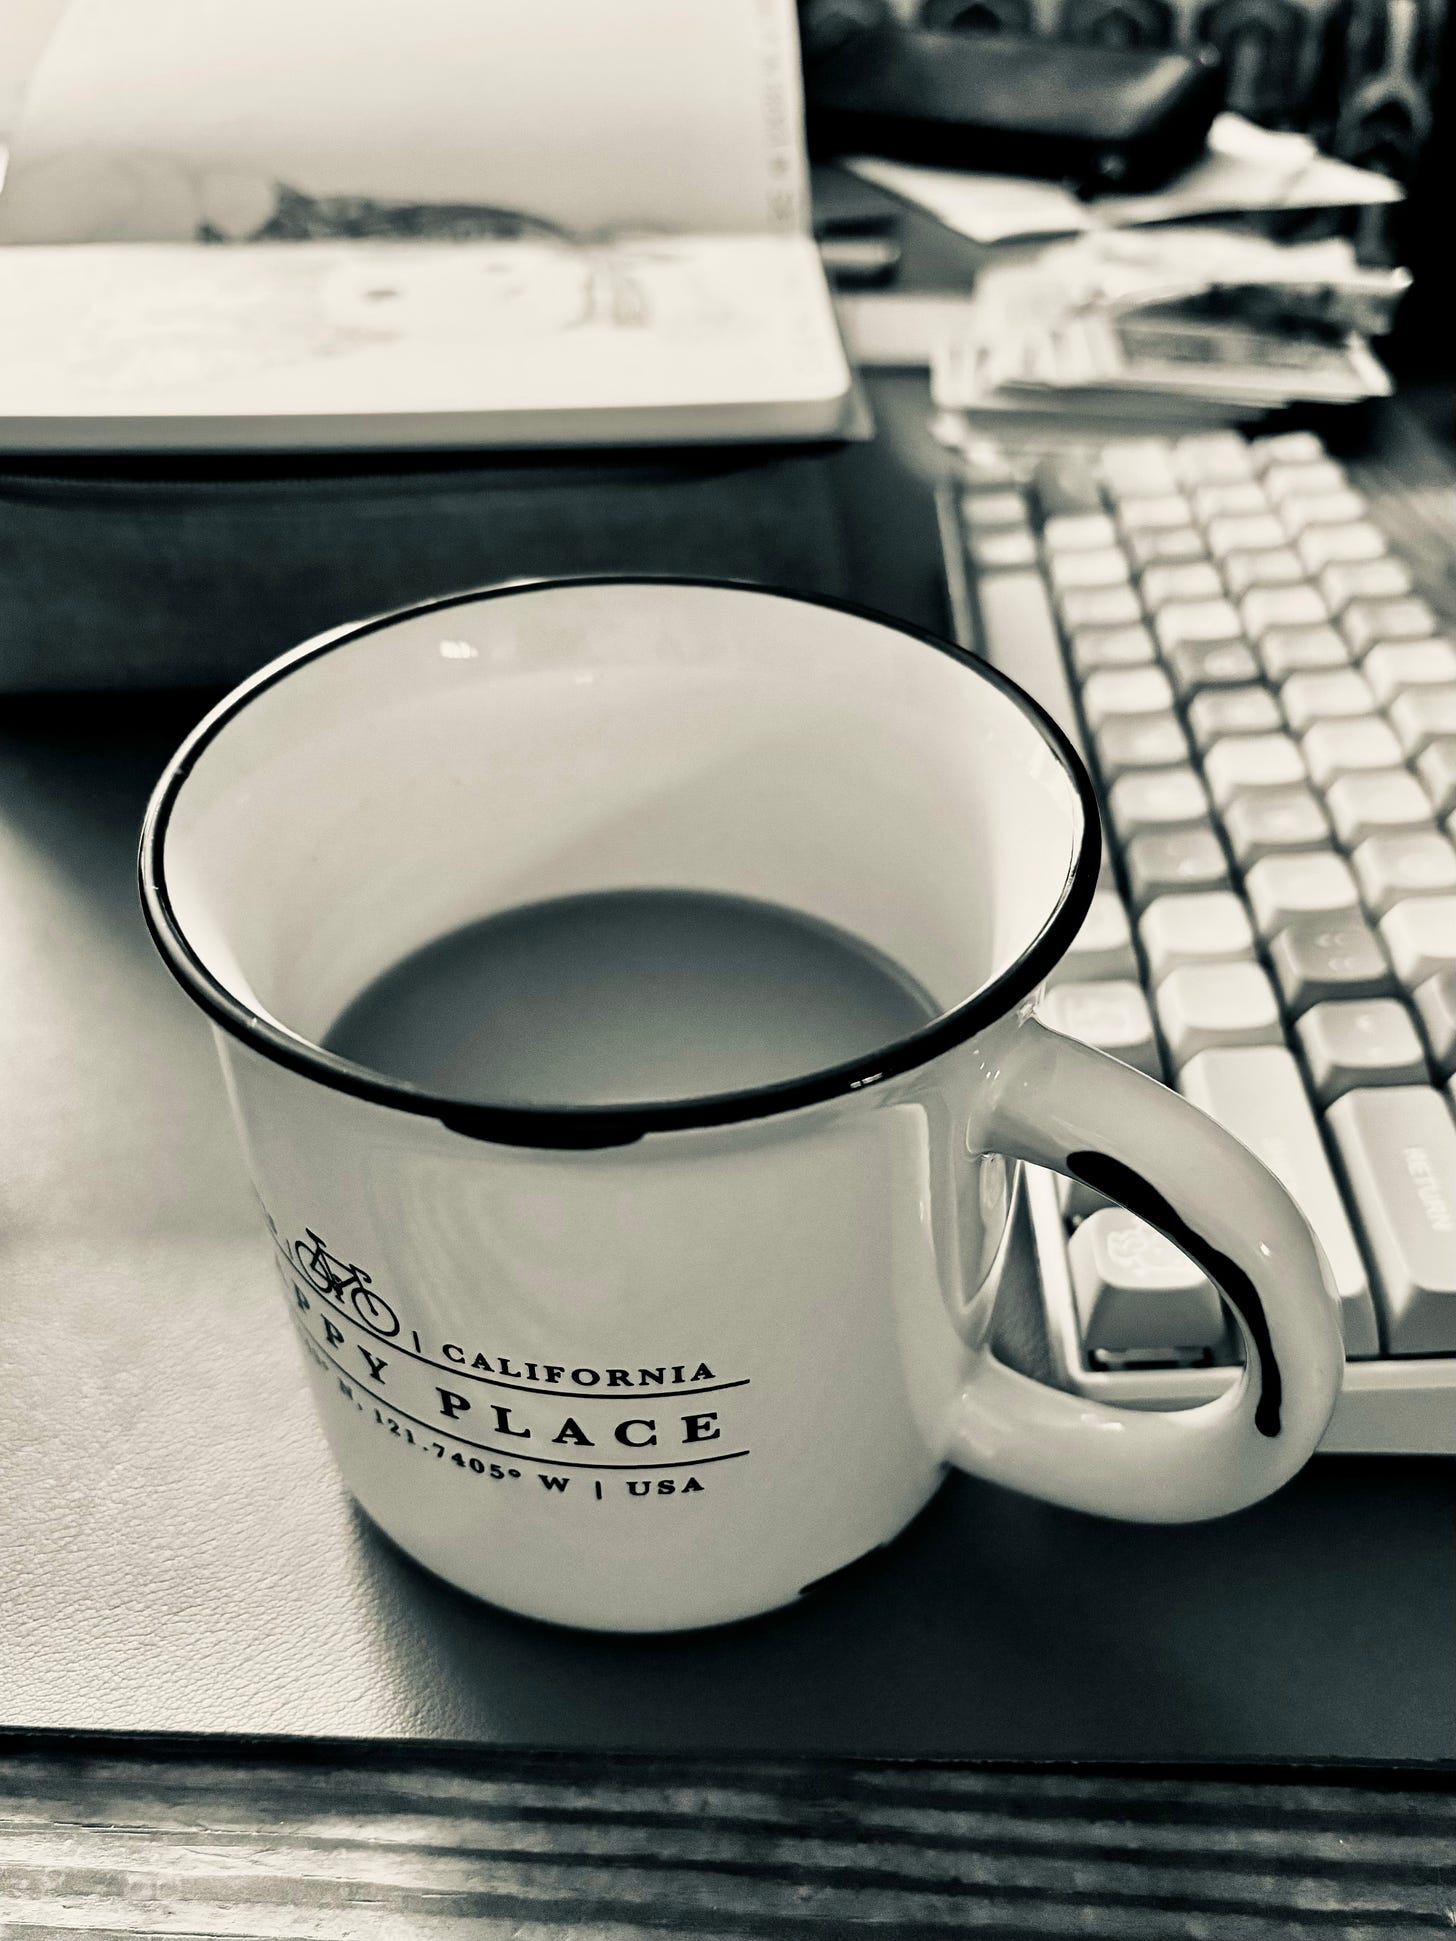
{"points": [[509, 229], [612, 346]]}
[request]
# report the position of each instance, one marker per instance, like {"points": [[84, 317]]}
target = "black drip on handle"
{"points": [[1119, 1182]]}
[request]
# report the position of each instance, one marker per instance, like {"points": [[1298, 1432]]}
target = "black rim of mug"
{"points": [[588, 1127]]}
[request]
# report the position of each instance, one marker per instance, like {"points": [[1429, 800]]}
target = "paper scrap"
{"points": [[1246, 168]]}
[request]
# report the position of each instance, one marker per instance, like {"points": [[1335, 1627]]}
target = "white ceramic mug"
{"points": [[667, 1365]]}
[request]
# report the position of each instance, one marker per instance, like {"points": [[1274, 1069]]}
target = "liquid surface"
{"points": [[628, 996]]}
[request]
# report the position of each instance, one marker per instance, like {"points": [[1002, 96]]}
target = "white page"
{"points": [[140, 346], [145, 117], [25, 26]]}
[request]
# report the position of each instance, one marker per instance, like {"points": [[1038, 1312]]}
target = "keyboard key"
{"points": [[1078, 532], [1099, 606], [1336, 748], [1211, 458], [1169, 512], [1418, 863], [981, 462], [1236, 498], [1241, 764], [1393, 669], [1338, 508], [1284, 482], [1282, 888], [1266, 607], [1258, 1096], [1101, 952], [1112, 1016], [1134, 1289], [1314, 959], [998, 550], [1195, 579], [985, 511], [1156, 545], [1094, 647], [1019, 631], [1421, 714], [1187, 859], [1332, 696], [1286, 448], [1123, 691], [1138, 469], [1126, 742], [1103, 567], [1243, 533], [1436, 766], [1420, 934], [1275, 822], [1203, 1005], [1367, 579], [1199, 664], [1221, 711], [1277, 566], [1384, 803], [1065, 487], [1197, 927], [1366, 623], [1322, 546], [1360, 1041], [1196, 620], [1436, 1003], [1157, 800], [1397, 1150], [1298, 650]]}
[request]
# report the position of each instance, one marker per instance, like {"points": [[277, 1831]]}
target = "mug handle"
{"points": [[1059, 1103]]}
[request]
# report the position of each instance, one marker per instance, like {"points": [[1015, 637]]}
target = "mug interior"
{"points": [[379, 789]]}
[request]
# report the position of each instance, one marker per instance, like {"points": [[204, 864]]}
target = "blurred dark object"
{"points": [[1358, 75], [979, 16], [1094, 117], [824, 24], [845, 204], [857, 227], [1383, 114], [1425, 341]]}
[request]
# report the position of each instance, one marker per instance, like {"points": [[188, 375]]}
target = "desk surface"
{"points": [[110, 1843], [1347, 1579]]}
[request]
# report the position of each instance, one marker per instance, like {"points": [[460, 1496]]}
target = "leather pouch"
{"points": [[1094, 117]]}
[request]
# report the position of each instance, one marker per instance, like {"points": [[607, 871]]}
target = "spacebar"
{"points": [[1019, 637]]}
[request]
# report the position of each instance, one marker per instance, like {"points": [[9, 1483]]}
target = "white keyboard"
{"points": [[1268, 709]]}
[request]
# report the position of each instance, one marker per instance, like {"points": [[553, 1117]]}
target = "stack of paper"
{"points": [[1175, 322], [1149, 311]]}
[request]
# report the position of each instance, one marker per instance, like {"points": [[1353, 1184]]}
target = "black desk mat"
{"points": [[175, 572], [177, 1554]]}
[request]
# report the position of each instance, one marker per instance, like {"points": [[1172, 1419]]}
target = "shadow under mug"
{"points": [[655, 1366]]}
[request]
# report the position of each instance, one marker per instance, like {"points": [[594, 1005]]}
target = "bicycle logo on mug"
{"points": [[342, 1281]]}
